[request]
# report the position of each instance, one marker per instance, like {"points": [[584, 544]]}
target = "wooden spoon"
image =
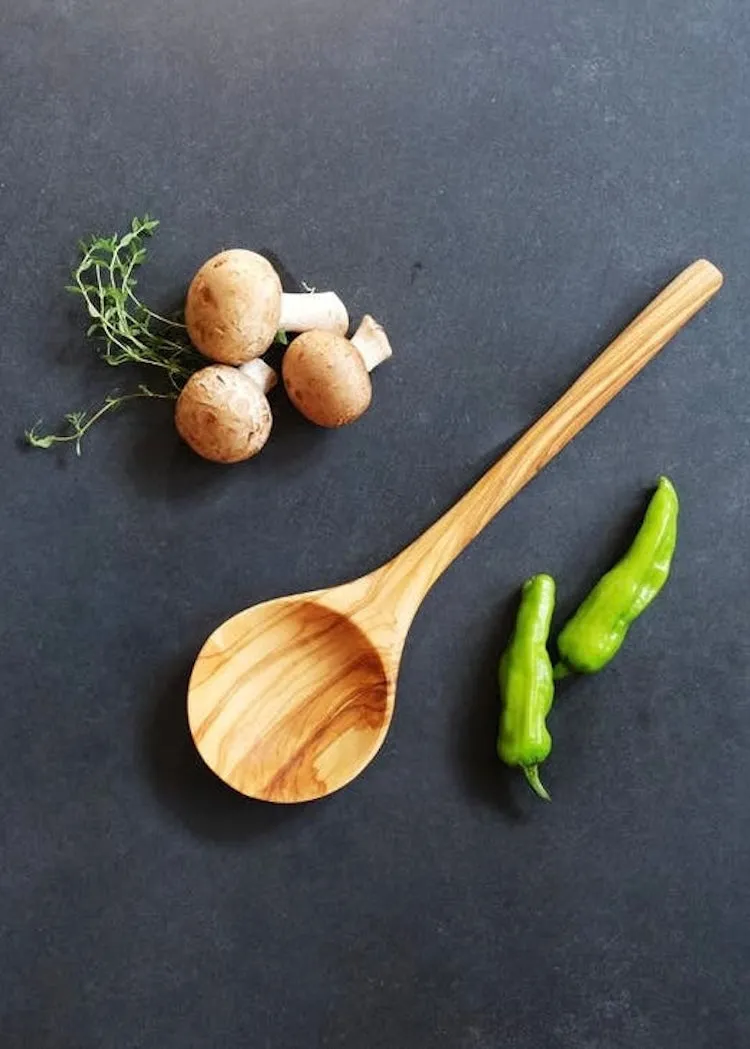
{"points": [[291, 699]]}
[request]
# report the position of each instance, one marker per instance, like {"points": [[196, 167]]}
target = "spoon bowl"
{"points": [[290, 700], [338, 699]]}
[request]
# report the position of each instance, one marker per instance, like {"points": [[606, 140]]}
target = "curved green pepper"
{"points": [[597, 630], [526, 685]]}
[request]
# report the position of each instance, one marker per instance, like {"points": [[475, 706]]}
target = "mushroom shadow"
{"points": [[289, 283], [184, 784], [160, 464]]}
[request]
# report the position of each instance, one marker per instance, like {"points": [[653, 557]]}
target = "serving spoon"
{"points": [[291, 699]]}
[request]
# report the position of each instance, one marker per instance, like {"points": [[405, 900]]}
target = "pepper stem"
{"points": [[560, 671], [531, 772]]}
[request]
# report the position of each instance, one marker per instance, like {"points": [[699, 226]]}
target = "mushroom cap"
{"points": [[223, 415], [233, 306], [326, 378]]}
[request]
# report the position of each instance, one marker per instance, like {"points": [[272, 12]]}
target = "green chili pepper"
{"points": [[594, 635], [526, 685]]}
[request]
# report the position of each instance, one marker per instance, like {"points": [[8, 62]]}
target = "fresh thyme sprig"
{"points": [[129, 332], [80, 422], [125, 330]]}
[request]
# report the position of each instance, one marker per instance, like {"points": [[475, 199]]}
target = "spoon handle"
{"points": [[417, 567]]}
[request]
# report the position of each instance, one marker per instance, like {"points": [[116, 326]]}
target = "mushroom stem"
{"points": [[262, 374], [317, 310], [371, 341]]}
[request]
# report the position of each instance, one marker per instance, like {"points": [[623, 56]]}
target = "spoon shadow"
{"points": [[181, 781]]}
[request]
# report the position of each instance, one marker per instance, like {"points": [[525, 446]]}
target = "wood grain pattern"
{"points": [[291, 699]]}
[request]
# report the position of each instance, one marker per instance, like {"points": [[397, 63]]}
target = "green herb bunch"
{"points": [[124, 329]]}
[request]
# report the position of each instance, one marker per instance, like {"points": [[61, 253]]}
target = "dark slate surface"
{"points": [[503, 185]]}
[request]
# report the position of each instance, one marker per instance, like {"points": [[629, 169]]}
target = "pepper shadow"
{"points": [[485, 778], [606, 552], [184, 784]]}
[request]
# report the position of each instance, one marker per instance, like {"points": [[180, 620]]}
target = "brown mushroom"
{"points": [[235, 307], [223, 413], [327, 377]]}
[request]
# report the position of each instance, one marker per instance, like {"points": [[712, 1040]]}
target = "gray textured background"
{"points": [[503, 185]]}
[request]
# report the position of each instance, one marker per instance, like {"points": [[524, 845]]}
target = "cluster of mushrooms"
{"points": [[234, 309]]}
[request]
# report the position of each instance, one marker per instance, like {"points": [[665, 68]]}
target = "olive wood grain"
{"points": [[291, 699]]}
